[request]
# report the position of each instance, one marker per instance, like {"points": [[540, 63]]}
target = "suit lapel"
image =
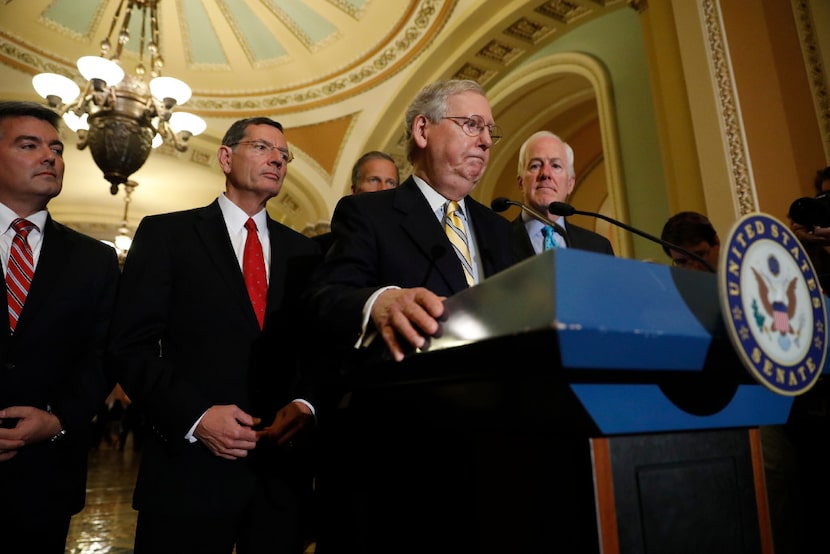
{"points": [[56, 255], [279, 265], [211, 228], [426, 232]]}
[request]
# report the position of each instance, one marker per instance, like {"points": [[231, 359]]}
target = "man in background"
{"points": [[694, 232], [373, 171], [60, 288], [206, 342], [545, 175]]}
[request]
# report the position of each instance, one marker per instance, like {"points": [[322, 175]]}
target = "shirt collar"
{"points": [[235, 217], [436, 201], [7, 216], [534, 226]]}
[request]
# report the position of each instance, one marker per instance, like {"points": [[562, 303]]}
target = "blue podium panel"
{"points": [[627, 314], [642, 346], [608, 313], [618, 409]]}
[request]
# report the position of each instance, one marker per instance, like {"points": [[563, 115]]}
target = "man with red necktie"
{"points": [[60, 287], [205, 340]]}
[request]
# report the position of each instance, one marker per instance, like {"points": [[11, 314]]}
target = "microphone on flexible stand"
{"points": [[565, 209], [501, 203]]}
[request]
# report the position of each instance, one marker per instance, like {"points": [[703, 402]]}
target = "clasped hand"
{"points": [[33, 425], [229, 433]]}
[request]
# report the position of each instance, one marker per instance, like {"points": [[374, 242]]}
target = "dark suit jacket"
{"points": [[185, 338], [389, 237], [578, 237], [55, 359], [324, 240], [392, 237]]}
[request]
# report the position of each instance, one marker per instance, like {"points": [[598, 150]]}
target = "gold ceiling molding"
{"points": [[349, 8], [529, 31], [423, 25], [563, 11]]}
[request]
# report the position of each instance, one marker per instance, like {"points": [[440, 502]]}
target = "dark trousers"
{"points": [[42, 534], [265, 526]]}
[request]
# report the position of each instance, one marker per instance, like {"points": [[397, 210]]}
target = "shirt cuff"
{"points": [[366, 338]]}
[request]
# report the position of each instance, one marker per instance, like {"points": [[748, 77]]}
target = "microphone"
{"points": [[501, 203], [564, 209]]}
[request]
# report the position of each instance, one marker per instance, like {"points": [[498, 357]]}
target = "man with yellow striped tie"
{"points": [[397, 254]]}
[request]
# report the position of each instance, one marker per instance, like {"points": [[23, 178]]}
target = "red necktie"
{"points": [[253, 268], [21, 269]]}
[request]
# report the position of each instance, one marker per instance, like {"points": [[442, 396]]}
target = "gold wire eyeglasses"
{"points": [[474, 125], [262, 148]]}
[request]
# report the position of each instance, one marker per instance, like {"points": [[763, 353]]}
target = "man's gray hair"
{"points": [[431, 102], [569, 152]]}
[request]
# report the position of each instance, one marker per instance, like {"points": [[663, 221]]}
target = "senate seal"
{"points": [[772, 304]]}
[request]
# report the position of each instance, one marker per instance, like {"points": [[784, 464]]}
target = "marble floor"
{"points": [[107, 523]]}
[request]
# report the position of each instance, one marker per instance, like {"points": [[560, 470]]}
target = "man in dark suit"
{"points": [[373, 171], [207, 369], [546, 174], [384, 280], [52, 376]]}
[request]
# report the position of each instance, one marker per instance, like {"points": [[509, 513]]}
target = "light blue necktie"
{"points": [[550, 238]]}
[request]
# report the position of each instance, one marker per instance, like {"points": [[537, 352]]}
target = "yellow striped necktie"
{"points": [[454, 228]]}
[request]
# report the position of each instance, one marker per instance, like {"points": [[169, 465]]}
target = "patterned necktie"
{"points": [[550, 237], [253, 268], [20, 271], [454, 228]]}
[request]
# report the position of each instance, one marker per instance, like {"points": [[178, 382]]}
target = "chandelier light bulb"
{"points": [[157, 140], [74, 122], [123, 240], [96, 67], [187, 122], [170, 87], [52, 84]]}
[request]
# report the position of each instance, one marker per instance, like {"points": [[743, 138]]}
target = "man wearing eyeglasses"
{"points": [[383, 283], [205, 341], [545, 175]]}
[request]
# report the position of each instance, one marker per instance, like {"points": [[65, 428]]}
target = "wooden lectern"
{"points": [[601, 406]]}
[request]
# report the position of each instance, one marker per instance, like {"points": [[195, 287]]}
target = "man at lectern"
{"points": [[396, 255], [545, 175]]}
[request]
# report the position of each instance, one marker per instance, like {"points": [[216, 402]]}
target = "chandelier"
{"points": [[123, 117]]}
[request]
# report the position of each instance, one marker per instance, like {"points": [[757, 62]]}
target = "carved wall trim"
{"points": [[815, 68], [728, 107]]}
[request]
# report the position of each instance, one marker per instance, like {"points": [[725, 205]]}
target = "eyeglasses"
{"points": [[262, 148], [474, 125]]}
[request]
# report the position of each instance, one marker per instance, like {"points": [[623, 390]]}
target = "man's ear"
{"points": [[223, 155], [420, 130], [571, 183]]}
